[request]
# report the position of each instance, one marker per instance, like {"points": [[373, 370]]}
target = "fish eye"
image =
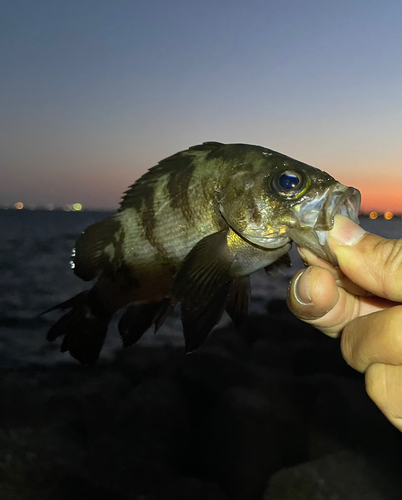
{"points": [[289, 180], [290, 184]]}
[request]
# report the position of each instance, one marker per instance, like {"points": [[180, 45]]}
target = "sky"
{"points": [[95, 92]]}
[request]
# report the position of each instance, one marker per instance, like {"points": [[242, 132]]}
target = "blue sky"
{"points": [[93, 93]]}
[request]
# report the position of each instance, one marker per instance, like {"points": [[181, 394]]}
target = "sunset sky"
{"points": [[95, 92]]}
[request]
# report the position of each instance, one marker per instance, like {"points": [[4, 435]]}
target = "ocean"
{"points": [[35, 274], [272, 402]]}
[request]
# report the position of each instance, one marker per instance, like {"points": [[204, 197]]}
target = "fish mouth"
{"points": [[343, 202], [338, 200], [346, 203]]}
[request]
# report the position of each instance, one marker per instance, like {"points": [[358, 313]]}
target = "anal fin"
{"points": [[138, 318]]}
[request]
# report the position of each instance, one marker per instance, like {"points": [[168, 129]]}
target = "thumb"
{"points": [[372, 262]]}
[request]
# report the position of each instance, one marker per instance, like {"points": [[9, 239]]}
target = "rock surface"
{"points": [[271, 403], [342, 476]]}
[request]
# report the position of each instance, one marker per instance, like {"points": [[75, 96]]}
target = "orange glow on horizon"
{"points": [[381, 201], [380, 190], [381, 207]]}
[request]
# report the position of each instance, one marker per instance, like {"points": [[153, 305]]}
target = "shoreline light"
{"points": [[19, 205], [373, 215], [388, 215]]}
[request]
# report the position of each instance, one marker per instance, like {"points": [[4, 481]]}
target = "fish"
{"points": [[191, 230]]}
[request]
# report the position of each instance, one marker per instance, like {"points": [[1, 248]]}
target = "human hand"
{"points": [[361, 302]]}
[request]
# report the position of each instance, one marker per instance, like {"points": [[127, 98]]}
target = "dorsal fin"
{"points": [[181, 162]]}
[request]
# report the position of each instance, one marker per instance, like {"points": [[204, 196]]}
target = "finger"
{"points": [[315, 298], [384, 386], [341, 280], [374, 338], [372, 262]]}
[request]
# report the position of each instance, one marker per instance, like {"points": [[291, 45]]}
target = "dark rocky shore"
{"points": [[266, 411]]}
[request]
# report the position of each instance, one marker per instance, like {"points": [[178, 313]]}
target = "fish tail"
{"points": [[84, 327]]}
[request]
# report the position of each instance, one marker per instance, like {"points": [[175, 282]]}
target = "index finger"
{"points": [[372, 262]]}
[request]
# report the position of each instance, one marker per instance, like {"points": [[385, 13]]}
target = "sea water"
{"points": [[35, 274]]}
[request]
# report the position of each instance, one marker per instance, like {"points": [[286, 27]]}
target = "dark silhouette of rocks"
{"points": [[268, 410]]}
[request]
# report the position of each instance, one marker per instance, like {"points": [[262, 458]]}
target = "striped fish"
{"points": [[192, 230]]}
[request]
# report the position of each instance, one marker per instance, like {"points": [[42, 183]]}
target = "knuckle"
{"points": [[350, 348], [392, 331]]}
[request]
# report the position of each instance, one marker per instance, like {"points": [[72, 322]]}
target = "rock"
{"points": [[239, 443], [341, 476], [155, 424]]}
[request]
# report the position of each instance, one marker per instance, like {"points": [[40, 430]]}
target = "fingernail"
{"points": [[301, 288], [345, 231]]}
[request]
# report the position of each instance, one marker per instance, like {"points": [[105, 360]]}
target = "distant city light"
{"points": [[49, 207], [388, 215], [77, 206], [373, 215], [19, 205], [67, 208]]}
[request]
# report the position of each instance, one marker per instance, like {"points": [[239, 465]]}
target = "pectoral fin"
{"points": [[202, 286]]}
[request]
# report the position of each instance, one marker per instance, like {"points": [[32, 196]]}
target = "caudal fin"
{"points": [[84, 327]]}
